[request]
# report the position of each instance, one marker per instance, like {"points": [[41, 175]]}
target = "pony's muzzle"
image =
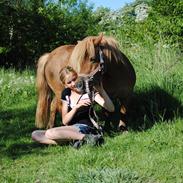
{"points": [[84, 84], [80, 85]]}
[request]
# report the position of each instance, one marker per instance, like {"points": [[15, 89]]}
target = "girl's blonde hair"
{"points": [[66, 71]]}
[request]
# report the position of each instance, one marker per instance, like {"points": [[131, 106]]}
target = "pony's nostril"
{"points": [[79, 84]]}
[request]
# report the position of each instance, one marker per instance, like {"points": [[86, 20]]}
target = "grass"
{"points": [[152, 151]]}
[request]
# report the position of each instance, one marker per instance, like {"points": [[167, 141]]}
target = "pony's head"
{"points": [[90, 56], [86, 61], [85, 56]]}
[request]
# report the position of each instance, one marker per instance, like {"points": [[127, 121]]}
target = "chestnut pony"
{"points": [[118, 79]]}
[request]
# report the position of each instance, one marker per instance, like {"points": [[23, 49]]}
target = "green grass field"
{"points": [[152, 151]]}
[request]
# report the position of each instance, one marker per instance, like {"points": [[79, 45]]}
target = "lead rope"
{"points": [[91, 95]]}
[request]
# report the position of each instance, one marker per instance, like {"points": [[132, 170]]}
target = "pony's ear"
{"points": [[98, 39]]}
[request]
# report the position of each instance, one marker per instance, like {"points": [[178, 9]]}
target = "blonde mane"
{"points": [[111, 47], [79, 53], [86, 48]]}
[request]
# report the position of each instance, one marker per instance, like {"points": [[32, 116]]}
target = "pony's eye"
{"points": [[93, 60], [69, 82]]}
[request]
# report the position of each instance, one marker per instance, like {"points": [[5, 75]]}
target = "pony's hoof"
{"points": [[122, 129]]}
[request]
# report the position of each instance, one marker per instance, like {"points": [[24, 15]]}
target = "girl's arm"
{"points": [[67, 116], [103, 99]]}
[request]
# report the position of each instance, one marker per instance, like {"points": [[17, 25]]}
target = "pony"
{"points": [[118, 78]]}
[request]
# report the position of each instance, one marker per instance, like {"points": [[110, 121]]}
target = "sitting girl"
{"points": [[75, 114]]}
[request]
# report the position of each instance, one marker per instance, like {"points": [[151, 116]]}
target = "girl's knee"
{"points": [[49, 133], [34, 135], [37, 135]]}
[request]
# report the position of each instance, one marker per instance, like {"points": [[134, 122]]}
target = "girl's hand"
{"points": [[83, 102]]}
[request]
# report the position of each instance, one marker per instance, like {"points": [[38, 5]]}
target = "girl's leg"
{"points": [[64, 133], [39, 136]]}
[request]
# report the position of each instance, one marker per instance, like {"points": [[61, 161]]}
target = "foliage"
{"points": [[106, 18], [30, 28], [164, 21], [168, 16]]}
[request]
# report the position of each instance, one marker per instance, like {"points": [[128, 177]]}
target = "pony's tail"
{"points": [[44, 94]]}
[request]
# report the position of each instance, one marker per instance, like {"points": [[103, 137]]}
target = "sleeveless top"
{"points": [[82, 114]]}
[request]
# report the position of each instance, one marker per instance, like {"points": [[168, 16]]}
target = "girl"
{"points": [[75, 114]]}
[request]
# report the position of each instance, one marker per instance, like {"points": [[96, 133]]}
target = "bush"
{"points": [[30, 29]]}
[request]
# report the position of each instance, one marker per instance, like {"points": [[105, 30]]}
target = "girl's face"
{"points": [[70, 81]]}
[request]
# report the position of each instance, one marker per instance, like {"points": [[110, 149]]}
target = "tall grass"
{"points": [[159, 87], [151, 151], [16, 87]]}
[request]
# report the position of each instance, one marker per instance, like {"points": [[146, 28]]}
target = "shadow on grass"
{"points": [[153, 106], [16, 127], [16, 150], [17, 124], [146, 109]]}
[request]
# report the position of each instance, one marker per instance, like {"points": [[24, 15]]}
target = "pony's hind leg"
{"points": [[59, 107], [56, 105], [53, 110]]}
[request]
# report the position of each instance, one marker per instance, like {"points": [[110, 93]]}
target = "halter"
{"points": [[100, 68]]}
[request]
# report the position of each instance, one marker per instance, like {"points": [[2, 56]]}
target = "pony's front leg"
{"points": [[117, 120], [122, 123], [53, 110]]}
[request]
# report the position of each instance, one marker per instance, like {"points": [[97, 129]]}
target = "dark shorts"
{"points": [[85, 129]]}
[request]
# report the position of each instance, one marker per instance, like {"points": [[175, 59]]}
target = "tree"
{"points": [[33, 27]]}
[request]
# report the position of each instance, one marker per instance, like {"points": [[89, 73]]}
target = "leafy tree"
{"points": [[165, 21], [32, 27]]}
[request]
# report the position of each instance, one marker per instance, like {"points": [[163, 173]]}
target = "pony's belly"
{"points": [[119, 91]]}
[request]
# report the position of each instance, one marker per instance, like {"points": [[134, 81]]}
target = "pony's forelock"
{"points": [[78, 55]]}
